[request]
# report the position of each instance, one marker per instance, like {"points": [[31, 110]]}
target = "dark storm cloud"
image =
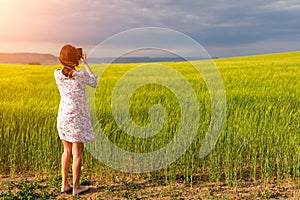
{"points": [[219, 23], [233, 22]]}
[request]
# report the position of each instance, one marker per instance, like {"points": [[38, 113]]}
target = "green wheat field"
{"points": [[260, 139]]}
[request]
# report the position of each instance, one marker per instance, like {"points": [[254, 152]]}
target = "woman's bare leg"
{"points": [[77, 154], [65, 164]]}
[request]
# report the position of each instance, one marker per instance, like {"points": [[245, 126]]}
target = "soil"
{"points": [[138, 188]]}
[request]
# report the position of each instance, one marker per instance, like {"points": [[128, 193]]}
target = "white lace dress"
{"points": [[73, 121]]}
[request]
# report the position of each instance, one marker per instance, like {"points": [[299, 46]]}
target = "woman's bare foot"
{"points": [[80, 190], [66, 188]]}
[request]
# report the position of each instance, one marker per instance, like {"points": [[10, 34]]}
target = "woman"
{"points": [[73, 121]]}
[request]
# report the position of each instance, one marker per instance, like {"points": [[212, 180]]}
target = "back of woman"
{"points": [[73, 121]]}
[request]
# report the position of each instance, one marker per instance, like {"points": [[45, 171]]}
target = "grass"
{"points": [[24, 189], [259, 140]]}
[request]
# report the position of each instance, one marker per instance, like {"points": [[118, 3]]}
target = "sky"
{"points": [[223, 27]]}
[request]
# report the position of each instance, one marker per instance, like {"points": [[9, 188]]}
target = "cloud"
{"points": [[217, 24], [289, 5]]}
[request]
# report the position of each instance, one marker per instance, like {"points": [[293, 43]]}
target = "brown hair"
{"points": [[69, 57]]}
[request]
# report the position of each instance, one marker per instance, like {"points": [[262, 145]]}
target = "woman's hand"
{"points": [[83, 59], [84, 62]]}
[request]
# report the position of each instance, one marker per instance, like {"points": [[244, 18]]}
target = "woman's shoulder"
{"points": [[57, 72], [80, 73]]}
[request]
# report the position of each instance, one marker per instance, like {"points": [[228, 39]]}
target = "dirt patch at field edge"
{"points": [[142, 189]]}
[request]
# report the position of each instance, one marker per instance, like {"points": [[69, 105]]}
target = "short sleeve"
{"points": [[90, 80]]}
